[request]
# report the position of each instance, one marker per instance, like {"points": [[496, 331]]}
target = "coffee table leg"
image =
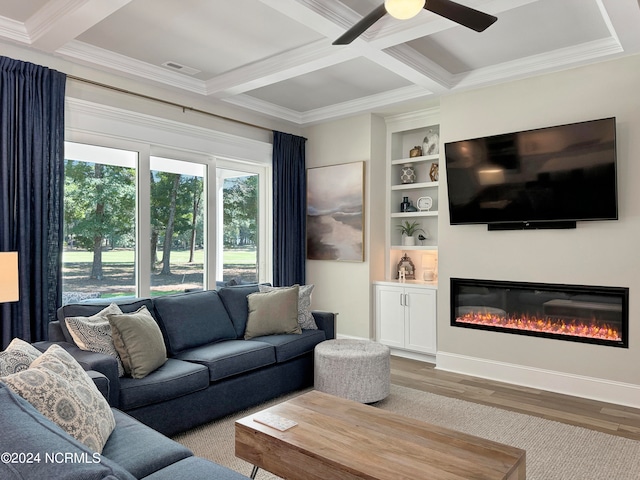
{"points": [[254, 472]]}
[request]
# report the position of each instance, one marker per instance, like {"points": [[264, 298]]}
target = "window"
{"points": [[239, 210], [142, 220], [177, 225], [98, 256]]}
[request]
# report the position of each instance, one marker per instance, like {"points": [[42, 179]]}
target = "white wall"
{"points": [[596, 253], [345, 287]]}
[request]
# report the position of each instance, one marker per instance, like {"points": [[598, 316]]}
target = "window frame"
{"points": [[249, 155]]}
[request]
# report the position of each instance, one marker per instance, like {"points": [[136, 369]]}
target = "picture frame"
{"points": [[335, 212]]}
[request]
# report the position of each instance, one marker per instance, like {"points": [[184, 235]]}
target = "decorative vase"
{"points": [[407, 175], [408, 241], [431, 143], [404, 206]]}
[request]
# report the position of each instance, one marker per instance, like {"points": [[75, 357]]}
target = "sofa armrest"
{"points": [[101, 381], [326, 321], [100, 362]]}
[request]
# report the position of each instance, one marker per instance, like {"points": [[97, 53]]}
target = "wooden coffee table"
{"points": [[342, 440]]}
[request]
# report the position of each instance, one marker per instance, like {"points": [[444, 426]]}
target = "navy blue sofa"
{"points": [[36, 448], [211, 370]]}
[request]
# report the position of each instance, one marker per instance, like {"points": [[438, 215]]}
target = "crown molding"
{"points": [[14, 30], [266, 108], [96, 56], [559, 59], [365, 104], [339, 110], [49, 15]]}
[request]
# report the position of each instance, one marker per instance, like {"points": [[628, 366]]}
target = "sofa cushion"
{"points": [[139, 342], [231, 357], [61, 390], [305, 317], [193, 319], [196, 468], [291, 346], [88, 309], [94, 333], [235, 301], [24, 429], [173, 379], [17, 357], [140, 449], [273, 312]]}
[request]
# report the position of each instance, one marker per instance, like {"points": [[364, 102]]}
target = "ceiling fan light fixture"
{"points": [[403, 9]]}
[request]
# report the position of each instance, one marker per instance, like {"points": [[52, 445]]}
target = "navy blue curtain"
{"points": [[289, 209], [31, 182]]}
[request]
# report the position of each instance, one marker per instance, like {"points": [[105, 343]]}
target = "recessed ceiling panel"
{"points": [[20, 10], [538, 27], [336, 84], [211, 36]]}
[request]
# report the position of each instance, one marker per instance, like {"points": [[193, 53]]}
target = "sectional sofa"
{"points": [[211, 370], [35, 448]]}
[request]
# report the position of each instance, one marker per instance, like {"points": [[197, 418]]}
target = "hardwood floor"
{"points": [[605, 417]]}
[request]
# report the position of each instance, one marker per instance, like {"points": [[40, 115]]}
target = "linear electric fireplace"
{"points": [[578, 313]]}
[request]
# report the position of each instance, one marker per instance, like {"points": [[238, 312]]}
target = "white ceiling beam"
{"points": [[275, 69], [61, 21], [622, 20]]}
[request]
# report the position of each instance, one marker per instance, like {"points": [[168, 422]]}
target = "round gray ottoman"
{"points": [[354, 369]]}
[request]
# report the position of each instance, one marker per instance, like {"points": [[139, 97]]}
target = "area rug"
{"points": [[555, 451]]}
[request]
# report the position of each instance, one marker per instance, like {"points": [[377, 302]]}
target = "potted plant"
{"points": [[408, 229]]}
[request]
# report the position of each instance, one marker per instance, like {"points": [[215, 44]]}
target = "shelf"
{"points": [[412, 186], [414, 214], [423, 158], [414, 247]]}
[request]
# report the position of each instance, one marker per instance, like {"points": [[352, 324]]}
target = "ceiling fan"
{"points": [[405, 9]]}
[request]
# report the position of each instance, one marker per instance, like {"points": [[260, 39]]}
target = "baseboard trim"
{"points": [[609, 391], [421, 357]]}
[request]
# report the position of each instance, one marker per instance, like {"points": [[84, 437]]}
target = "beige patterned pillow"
{"points": [[94, 333], [17, 357], [57, 386], [305, 317]]}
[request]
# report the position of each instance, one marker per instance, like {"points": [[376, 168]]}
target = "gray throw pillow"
{"points": [[139, 342], [272, 313], [17, 357], [94, 333], [57, 386], [305, 317]]}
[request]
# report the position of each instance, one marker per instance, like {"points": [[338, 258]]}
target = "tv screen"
{"points": [[554, 174]]}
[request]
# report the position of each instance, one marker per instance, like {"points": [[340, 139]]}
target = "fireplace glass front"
{"points": [[577, 313]]}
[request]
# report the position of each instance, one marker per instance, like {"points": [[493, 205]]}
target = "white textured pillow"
{"points": [[94, 333], [305, 317], [17, 357], [57, 386]]}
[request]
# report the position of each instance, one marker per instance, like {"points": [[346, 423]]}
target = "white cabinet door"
{"points": [[420, 313], [390, 315]]}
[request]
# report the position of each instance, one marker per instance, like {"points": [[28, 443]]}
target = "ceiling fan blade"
{"points": [[466, 16], [360, 27]]}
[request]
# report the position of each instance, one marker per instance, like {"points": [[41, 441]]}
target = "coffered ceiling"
{"points": [[275, 56]]}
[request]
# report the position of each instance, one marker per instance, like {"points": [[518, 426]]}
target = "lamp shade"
{"points": [[403, 9], [9, 277]]}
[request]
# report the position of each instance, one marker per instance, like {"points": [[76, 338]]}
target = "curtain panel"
{"points": [[31, 182], [289, 209]]}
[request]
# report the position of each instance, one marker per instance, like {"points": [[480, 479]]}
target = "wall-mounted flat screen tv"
{"points": [[565, 173]]}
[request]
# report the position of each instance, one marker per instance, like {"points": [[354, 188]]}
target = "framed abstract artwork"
{"points": [[335, 212]]}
